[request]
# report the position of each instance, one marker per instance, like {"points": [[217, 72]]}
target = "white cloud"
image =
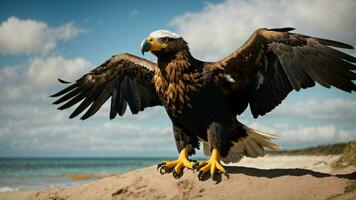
{"points": [[220, 28], [9, 77], [334, 109], [296, 136], [44, 72], [300, 137], [37, 77], [19, 36], [45, 131]]}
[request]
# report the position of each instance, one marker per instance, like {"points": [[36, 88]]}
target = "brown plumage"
{"points": [[203, 98]]}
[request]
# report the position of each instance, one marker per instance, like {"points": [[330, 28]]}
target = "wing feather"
{"points": [[98, 102], [125, 78], [87, 101], [67, 89], [273, 62]]}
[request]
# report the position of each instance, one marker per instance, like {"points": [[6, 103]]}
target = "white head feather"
{"points": [[164, 33]]}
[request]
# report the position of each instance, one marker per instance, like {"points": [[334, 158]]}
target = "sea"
{"points": [[28, 174]]}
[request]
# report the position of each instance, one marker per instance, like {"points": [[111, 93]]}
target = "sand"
{"points": [[271, 177], [315, 163], [14, 195]]}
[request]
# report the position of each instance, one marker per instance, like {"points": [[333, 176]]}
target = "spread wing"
{"points": [[273, 62], [125, 78]]}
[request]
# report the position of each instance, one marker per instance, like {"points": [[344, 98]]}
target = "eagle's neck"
{"points": [[174, 65]]}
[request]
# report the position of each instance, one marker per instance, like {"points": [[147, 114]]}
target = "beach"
{"points": [[269, 177], [14, 195]]}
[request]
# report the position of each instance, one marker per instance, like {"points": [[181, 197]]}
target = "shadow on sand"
{"points": [[274, 173]]}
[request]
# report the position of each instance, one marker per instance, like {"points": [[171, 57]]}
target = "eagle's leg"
{"points": [[177, 165], [185, 145], [219, 144], [211, 165]]}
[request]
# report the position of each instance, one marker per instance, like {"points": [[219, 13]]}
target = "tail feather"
{"points": [[256, 147], [253, 145]]}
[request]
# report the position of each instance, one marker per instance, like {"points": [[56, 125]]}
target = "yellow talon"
{"points": [[212, 164], [172, 164], [178, 164]]}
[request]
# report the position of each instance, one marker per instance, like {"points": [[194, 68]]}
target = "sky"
{"points": [[41, 41]]}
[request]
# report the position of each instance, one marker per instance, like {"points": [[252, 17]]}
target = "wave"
{"points": [[8, 189]]}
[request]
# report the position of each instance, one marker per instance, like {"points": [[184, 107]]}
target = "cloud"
{"points": [[299, 137], [43, 72], [38, 129], [38, 76], [220, 28], [333, 109], [31, 126], [27, 36], [52, 134], [293, 136]]}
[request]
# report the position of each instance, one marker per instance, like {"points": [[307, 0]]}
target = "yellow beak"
{"points": [[151, 44]]}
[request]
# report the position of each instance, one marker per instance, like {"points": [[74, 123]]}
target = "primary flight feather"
{"points": [[203, 99]]}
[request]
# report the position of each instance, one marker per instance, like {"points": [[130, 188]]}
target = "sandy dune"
{"points": [[282, 178], [314, 163]]}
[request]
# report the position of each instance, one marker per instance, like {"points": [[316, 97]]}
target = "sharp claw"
{"points": [[195, 166], [212, 176], [160, 165], [200, 174], [176, 166], [175, 174], [163, 170], [227, 175]]}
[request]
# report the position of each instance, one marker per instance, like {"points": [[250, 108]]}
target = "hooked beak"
{"points": [[145, 46], [152, 44]]}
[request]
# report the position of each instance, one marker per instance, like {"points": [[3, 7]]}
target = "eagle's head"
{"points": [[164, 43]]}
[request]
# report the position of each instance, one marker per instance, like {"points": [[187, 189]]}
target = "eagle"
{"points": [[204, 99]]}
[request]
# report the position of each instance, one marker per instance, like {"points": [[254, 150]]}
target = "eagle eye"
{"points": [[166, 39]]}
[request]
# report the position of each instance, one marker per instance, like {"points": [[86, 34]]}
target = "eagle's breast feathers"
{"points": [[177, 84]]}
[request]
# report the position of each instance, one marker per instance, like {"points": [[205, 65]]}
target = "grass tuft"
{"points": [[347, 158], [331, 149]]}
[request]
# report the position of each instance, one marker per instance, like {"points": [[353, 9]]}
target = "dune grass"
{"points": [[347, 158], [331, 149]]}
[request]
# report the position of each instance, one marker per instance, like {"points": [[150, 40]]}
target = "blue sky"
{"points": [[111, 26], [43, 40]]}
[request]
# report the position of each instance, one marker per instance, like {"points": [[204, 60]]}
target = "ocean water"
{"points": [[17, 174]]}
